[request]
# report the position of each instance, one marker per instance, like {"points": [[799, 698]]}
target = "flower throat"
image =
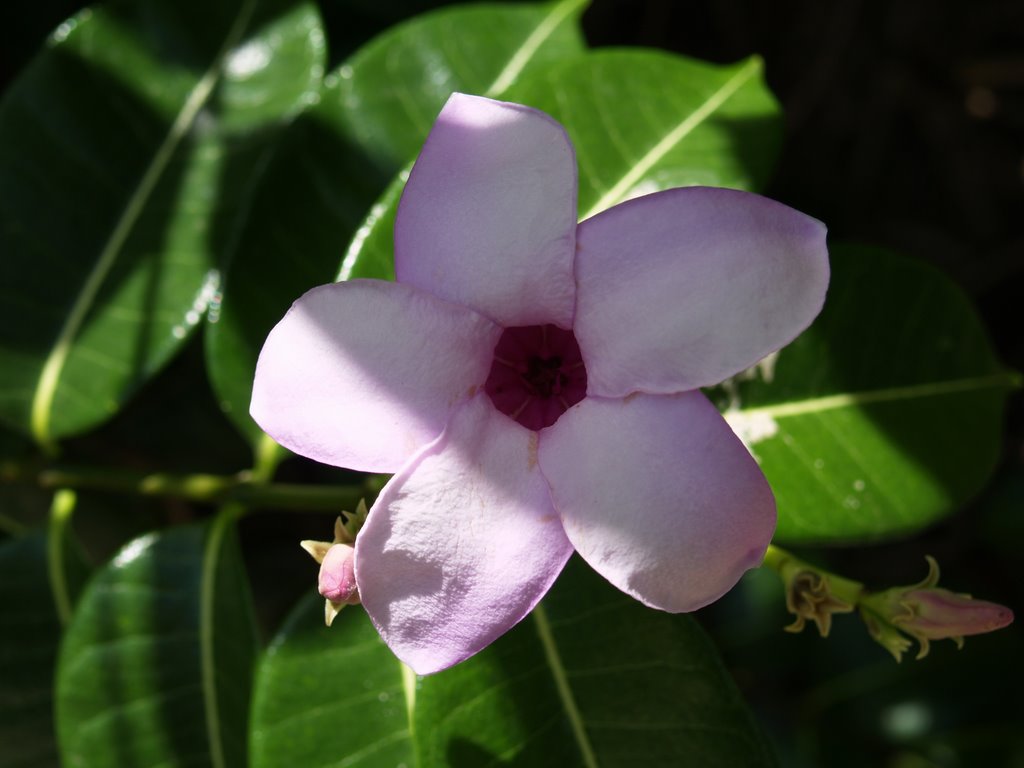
{"points": [[537, 374]]}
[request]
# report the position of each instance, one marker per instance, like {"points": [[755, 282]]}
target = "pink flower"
{"points": [[534, 384]]}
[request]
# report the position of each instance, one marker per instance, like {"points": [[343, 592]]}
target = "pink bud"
{"points": [[938, 613], [338, 576]]}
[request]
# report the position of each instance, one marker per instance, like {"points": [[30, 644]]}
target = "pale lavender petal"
{"points": [[659, 496], [488, 217], [684, 288], [462, 543], [363, 374]]}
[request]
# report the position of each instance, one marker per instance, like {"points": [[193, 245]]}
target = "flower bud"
{"points": [[938, 614], [927, 612], [337, 580], [809, 596]]}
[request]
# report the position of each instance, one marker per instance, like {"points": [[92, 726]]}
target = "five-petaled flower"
{"points": [[534, 384]]}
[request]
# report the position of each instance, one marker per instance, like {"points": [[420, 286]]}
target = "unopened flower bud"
{"points": [[338, 576], [927, 612], [938, 613], [337, 579]]}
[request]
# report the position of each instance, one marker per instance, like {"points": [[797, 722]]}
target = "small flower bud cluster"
{"points": [[337, 559], [922, 611], [927, 612]]}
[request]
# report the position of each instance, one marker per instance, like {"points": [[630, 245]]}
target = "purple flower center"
{"points": [[537, 374]]}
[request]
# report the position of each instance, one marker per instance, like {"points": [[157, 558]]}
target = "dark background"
{"points": [[904, 128]]}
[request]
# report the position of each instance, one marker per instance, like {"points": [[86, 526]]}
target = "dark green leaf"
{"points": [[114, 145], [592, 678], [313, 191], [885, 415], [333, 162], [395, 86], [29, 634], [156, 666], [329, 696]]}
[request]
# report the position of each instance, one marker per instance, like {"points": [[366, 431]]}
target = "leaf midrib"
{"points": [[617, 193], [207, 610], [558, 13], [561, 680], [791, 408], [49, 378]]}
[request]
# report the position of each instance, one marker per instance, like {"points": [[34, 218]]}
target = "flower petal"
{"points": [[682, 289], [659, 496], [363, 374], [462, 543], [488, 217]]}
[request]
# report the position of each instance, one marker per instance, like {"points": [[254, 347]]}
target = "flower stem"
{"points": [[787, 565], [242, 488]]}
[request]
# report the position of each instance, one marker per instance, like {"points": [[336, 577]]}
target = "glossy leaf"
{"points": [[644, 120], [326, 696], [885, 415], [395, 86], [136, 108], [640, 121], [313, 191], [156, 666], [333, 162], [29, 634], [591, 679]]}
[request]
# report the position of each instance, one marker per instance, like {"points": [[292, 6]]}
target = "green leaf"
{"points": [[29, 634], [324, 694], [645, 120], [156, 666], [640, 121], [592, 678], [885, 415], [395, 86], [115, 147], [332, 163], [313, 191]]}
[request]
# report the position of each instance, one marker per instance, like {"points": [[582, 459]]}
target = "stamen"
{"points": [[537, 362], [509, 363], [515, 414]]}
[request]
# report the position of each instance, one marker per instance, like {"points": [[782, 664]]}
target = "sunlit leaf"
{"points": [[640, 121], [333, 162], [395, 86], [885, 415], [325, 695], [119, 179], [643, 120]]}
